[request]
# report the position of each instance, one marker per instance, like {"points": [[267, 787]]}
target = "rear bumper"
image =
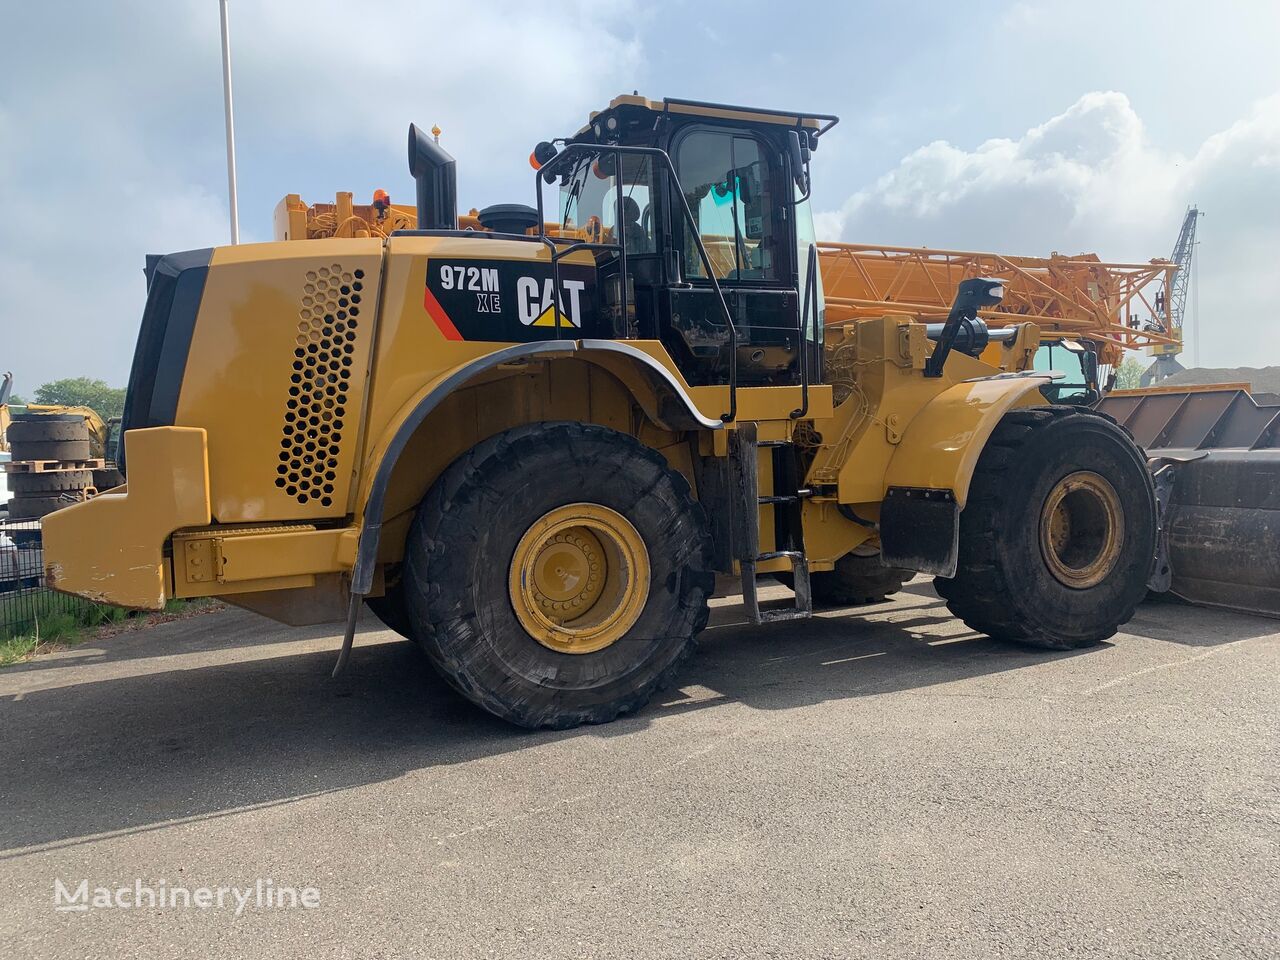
{"points": [[112, 548]]}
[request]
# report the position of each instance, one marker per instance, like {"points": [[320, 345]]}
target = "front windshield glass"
{"points": [[1055, 356], [589, 202]]}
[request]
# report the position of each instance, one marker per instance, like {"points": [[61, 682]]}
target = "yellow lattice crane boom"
{"points": [[1080, 297]]}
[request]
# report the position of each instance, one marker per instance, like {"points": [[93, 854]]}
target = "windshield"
{"points": [[589, 201], [1054, 355]]}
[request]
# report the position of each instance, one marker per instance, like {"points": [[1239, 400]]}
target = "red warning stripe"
{"points": [[439, 316]]}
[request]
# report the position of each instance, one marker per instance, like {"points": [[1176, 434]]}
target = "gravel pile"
{"points": [[1260, 379]]}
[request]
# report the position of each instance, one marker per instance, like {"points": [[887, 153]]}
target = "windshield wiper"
{"points": [[575, 192]]}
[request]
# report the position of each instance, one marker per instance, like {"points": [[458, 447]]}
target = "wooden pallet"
{"points": [[51, 466]]}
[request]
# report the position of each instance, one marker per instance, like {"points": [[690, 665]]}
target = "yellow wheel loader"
{"points": [[530, 449]]}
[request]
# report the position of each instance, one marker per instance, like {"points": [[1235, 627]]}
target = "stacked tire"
{"points": [[47, 437]]}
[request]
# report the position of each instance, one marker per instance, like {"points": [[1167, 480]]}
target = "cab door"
{"points": [[733, 181]]}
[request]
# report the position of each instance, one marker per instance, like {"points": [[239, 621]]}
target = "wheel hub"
{"points": [[567, 573], [1081, 529], [579, 578]]}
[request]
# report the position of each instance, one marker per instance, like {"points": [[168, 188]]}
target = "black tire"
{"points": [[50, 449], [50, 483], [48, 417], [857, 580], [1003, 585], [32, 508], [107, 478], [48, 430], [463, 541], [390, 608]]}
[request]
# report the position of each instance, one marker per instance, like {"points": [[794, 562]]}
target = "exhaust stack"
{"points": [[436, 176]]}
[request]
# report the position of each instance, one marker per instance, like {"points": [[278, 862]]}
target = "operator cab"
{"points": [[714, 261], [1078, 360]]}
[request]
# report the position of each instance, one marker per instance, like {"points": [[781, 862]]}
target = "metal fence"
{"points": [[25, 601]]}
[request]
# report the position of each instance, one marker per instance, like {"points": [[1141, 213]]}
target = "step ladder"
{"points": [[786, 499]]}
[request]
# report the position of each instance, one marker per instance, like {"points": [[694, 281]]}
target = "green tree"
{"points": [[1129, 374], [107, 401]]}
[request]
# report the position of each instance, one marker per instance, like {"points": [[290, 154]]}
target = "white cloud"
{"points": [[1089, 179], [489, 74], [111, 141]]}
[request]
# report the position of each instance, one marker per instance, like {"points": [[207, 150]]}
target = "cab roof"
{"points": [[818, 123]]}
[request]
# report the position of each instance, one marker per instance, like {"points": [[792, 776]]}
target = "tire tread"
{"points": [[979, 592]]}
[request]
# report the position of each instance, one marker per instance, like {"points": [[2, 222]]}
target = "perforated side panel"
{"points": [[319, 384]]}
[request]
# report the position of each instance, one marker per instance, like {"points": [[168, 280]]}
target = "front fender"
{"points": [[940, 447]]}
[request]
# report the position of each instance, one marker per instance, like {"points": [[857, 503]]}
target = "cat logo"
{"points": [[509, 301], [535, 305]]}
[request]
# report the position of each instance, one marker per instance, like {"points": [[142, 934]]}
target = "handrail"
{"points": [[810, 294], [574, 149]]}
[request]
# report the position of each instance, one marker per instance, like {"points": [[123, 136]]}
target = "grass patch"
{"points": [[52, 620], [57, 624]]}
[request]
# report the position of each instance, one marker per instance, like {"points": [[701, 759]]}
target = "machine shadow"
{"points": [[1169, 619], [132, 752], [1172, 620], [203, 633]]}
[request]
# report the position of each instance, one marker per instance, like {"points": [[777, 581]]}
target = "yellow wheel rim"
{"points": [[579, 578], [1081, 529]]}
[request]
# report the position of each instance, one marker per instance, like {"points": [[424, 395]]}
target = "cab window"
{"points": [[589, 202], [806, 237], [1055, 355], [728, 183]]}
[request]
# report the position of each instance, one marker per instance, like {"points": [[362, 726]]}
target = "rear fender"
{"points": [[674, 406]]}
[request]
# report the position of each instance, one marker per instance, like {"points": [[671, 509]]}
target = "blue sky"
{"points": [[1017, 127]]}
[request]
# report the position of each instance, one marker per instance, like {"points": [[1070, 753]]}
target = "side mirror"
{"points": [[1090, 363], [799, 153]]}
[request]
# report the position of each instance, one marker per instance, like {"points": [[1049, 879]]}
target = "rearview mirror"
{"points": [[799, 153]]}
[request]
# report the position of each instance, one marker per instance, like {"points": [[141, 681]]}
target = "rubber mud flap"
{"points": [[920, 530]]}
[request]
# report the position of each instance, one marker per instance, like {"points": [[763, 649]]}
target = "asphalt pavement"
{"points": [[875, 783]]}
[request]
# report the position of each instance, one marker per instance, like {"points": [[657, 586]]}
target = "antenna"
{"points": [[231, 136]]}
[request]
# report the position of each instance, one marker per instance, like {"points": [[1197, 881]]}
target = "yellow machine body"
{"points": [[257, 524], [304, 394]]}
